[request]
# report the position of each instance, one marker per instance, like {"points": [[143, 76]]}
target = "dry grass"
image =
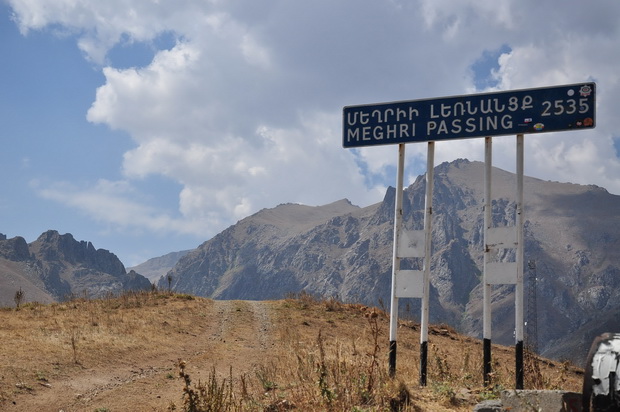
{"points": [[310, 354]]}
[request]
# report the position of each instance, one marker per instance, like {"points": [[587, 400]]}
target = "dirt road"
{"points": [[223, 335]]}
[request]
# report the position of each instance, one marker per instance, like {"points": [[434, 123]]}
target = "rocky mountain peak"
{"points": [[571, 232], [14, 249], [51, 245], [57, 266]]}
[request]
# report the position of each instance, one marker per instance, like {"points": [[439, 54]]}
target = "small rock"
{"points": [[494, 405]]}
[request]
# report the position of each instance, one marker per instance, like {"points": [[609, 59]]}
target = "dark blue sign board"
{"points": [[548, 109]]}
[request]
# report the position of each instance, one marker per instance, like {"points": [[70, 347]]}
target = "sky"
{"points": [[149, 126]]}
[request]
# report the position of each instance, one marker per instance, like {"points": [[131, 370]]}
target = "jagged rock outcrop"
{"points": [[15, 249], [56, 266], [572, 232], [52, 246]]}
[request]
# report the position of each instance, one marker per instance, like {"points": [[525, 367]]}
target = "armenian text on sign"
{"points": [[550, 109]]}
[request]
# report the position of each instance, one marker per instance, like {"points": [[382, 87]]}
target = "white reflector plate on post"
{"points": [[411, 244], [501, 273], [502, 237], [409, 283]]}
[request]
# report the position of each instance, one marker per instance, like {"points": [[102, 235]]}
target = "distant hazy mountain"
{"points": [[55, 267], [572, 232], [153, 269]]}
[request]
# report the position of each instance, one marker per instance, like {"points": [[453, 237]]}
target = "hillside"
{"points": [[153, 269], [123, 353], [572, 233], [56, 267], [340, 250]]}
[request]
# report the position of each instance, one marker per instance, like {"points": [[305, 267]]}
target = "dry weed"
{"points": [[326, 355]]}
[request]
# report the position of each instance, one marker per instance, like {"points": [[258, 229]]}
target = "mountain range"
{"points": [[56, 267], [153, 269], [571, 237]]}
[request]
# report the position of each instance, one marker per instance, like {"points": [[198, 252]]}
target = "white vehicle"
{"points": [[601, 382]]}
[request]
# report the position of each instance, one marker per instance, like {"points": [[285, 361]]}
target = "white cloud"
{"points": [[244, 111], [109, 202]]}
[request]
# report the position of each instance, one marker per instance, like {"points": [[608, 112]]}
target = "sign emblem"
{"points": [[585, 91]]}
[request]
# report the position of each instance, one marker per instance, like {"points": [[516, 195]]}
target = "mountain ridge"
{"points": [[155, 268], [571, 232], [55, 267]]}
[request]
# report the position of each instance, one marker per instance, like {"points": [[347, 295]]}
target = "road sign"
{"points": [[539, 110]]}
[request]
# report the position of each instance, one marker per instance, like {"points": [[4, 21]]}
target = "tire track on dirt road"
{"points": [[228, 336], [240, 327], [263, 324]]}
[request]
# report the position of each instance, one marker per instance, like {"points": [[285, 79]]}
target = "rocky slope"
{"points": [[153, 269], [572, 232], [56, 266]]}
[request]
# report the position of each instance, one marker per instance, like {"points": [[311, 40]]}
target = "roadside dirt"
{"points": [[225, 335], [122, 354]]}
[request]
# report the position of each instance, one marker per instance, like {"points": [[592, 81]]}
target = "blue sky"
{"points": [[148, 127]]}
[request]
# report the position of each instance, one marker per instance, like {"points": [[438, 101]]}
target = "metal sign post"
{"points": [[515, 112], [398, 219], [519, 319], [486, 285], [428, 232], [411, 244], [502, 273]]}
